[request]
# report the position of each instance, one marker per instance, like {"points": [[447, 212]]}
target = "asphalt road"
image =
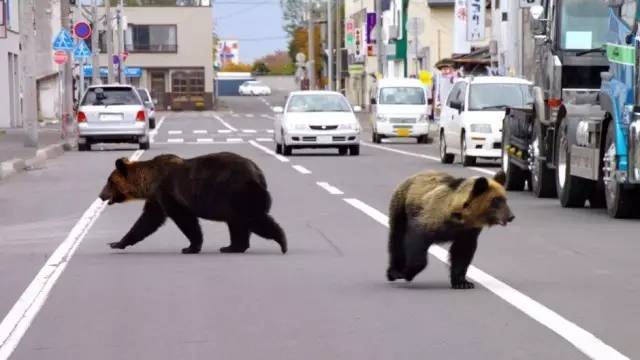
{"points": [[565, 282]]}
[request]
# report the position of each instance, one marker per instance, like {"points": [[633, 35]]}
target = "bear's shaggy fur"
{"points": [[435, 207], [221, 187]]}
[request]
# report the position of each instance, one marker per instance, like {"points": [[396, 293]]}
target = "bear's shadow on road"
{"points": [[425, 285]]}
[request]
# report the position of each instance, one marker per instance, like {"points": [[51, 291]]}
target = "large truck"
{"points": [[579, 140]]}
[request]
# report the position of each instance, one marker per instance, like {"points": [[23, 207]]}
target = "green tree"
{"points": [[260, 68]]}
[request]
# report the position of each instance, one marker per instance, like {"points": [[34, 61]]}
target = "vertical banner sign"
{"points": [[460, 43], [475, 20], [371, 24], [3, 20], [349, 31]]}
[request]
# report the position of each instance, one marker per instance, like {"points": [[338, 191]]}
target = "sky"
{"points": [[257, 24]]}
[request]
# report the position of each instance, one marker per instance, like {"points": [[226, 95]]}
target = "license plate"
{"points": [[403, 132], [111, 117], [325, 139]]}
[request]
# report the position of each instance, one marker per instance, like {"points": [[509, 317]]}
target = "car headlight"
{"points": [[423, 118], [349, 126], [480, 128], [294, 126], [382, 118]]}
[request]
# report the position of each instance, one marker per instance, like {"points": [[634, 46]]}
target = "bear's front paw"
{"points": [[190, 250], [117, 245], [462, 285], [232, 249]]}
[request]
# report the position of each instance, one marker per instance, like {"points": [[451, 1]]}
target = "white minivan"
{"points": [[400, 108]]}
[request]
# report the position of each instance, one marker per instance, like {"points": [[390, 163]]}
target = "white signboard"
{"points": [[460, 43], [475, 20], [529, 3]]}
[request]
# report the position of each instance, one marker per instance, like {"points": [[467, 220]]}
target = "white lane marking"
{"points": [[175, 140], [248, 131], [17, 321], [235, 115], [232, 140], [224, 131], [204, 140], [224, 123], [331, 189], [428, 157], [268, 151], [264, 139], [584, 341], [175, 132], [154, 132], [204, 143], [270, 131], [249, 115], [301, 169], [199, 131]]}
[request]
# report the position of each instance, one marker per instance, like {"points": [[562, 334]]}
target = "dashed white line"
{"points": [[175, 132], [174, 140], [224, 131], [268, 151], [231, 140], [199, 131], [264, 139], [17, 321], [204, 140], [270, 131], [584, 341], [235, 115], [249, 115], [224, 123], [248, 131], [331, 189], [301, 169]]}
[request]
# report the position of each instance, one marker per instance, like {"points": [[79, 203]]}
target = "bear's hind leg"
{"points": [[150, 220], [416, 246], [239, 233], [460, 256], [268, 228], [190, 227]]}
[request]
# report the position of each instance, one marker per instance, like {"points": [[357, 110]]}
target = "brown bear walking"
{"points": [[220, 187], [434, 207]]}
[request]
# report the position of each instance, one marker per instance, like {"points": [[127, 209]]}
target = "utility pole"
{"points": [[339, 45], [95, 45], [29, 49], [379, 44], [311, 45], [120, 39], [329, 46], [81, 60], [109, 34], [67, 122]]}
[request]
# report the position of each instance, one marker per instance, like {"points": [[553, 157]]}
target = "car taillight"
{"points": [[81, 117], [140, 116]]}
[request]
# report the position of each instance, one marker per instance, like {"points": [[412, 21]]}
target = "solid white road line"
{"points": [[154, 132], [224, 123], [428, 157], [264, 139], [199, 131], [301, 169], [248, 131], [331, 189], [232, 140], [174, 140], [224, 131], [268, 151], [175, 132], [204, 140], [584, 341], [17, 321]]}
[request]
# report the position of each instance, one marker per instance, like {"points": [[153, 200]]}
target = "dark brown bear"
{"points": [[220, 187], [434, 207]]}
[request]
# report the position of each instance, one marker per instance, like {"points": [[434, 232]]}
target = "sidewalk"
{"points": [[15, 157]]}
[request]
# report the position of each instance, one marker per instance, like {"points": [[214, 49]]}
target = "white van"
{"points": [[400, 109]]}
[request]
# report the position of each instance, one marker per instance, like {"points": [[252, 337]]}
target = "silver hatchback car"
{"points": [[112, 114]]}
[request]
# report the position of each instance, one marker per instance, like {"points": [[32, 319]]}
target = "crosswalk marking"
{"points": [[234, 140], [204, 140], [249, 131], [224, 131], [174, 140], [199, 131], [264, 139], [270, 131], [175, 132], [249, 115]]}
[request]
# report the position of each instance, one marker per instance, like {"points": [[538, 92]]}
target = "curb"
{"points": [[13, 166]]}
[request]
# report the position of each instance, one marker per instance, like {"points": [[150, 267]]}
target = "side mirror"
{"points": [[536, 12], [373, 101], [278, 109], [357, 109], [456, 105]]}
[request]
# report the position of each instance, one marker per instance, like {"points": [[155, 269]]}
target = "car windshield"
{"points": [[143, 95], [111, 96], [402, 96], [583, 24], [318, 103], [499, 96]]}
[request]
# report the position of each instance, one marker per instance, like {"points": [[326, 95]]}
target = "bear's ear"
{"points": [[479, 186], [121, 165], [500, 177]]}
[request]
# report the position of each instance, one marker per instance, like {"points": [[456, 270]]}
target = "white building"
{"points": [[10, 67]]}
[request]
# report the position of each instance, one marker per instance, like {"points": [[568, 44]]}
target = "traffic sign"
{"points": [[60, 57], [81, 51], [82, 30], [63, 41]]}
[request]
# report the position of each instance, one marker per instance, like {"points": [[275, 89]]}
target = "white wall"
{"points": [[9, 45]]}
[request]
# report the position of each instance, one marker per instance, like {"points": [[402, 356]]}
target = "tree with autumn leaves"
{"points": [[299, 44]]}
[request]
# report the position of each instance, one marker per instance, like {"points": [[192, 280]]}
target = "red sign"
{"points": [[82, 30], [60, 57]]}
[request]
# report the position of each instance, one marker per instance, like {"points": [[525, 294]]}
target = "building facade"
{"points": [[10, 72]]}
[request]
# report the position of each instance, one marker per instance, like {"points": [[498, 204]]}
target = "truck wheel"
{"points": [[572, 190], [445, 158], [464, 158], [278, 148], [515, 176], [542, 180], [618, 199], [376, 138]]}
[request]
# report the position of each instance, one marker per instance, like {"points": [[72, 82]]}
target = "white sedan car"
{"points": [[254, 88], [317, 119]]}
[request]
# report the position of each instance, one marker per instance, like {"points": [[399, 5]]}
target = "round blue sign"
{"points": [[82, 30]]}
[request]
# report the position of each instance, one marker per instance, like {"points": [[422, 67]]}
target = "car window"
{"points": [[402, 96], [498, 96], [462, 94], [453, 94], [318, 103], [143, 95], [111, 96]]}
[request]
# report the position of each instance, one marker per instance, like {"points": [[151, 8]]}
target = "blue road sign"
{"points": [[63, 41], [81, 51]]}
